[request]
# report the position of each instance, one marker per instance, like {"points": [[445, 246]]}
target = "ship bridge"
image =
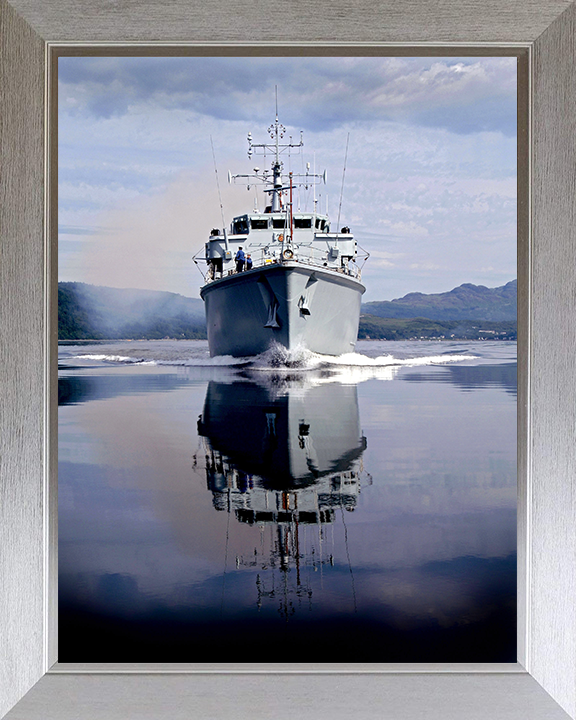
{"points": [[246, 224], [276, 237]]}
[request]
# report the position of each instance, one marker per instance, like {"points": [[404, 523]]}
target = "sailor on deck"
{"points": [[240, 258]]}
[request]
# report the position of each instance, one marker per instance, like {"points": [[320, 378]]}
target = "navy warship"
{"points": [[302, 287]]}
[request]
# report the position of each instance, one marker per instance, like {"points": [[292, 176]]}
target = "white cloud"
{"points": [[424, 266], [430, 182]]}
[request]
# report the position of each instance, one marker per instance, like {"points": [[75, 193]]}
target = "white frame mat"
{"points": [[542, 685]]}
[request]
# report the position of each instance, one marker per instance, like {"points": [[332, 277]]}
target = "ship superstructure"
{"points": [[303, 287]]}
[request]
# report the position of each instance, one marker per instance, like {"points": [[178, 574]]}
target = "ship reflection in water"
{"points": [[286, 460], [213, 514]]}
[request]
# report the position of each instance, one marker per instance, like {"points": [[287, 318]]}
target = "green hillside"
{"points": [[92, 312], [376, 328]]}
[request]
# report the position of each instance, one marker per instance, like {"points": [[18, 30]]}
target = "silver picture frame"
{"points": [[543, 683]]}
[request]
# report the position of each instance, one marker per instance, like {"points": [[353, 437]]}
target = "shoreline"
{"points": [[71, 341]]}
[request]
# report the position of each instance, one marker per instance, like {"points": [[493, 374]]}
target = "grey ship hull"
{"points": [[287, 440], [292, 304]]}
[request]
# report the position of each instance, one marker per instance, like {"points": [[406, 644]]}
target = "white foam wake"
{"points": [[220, 361], [278, 360], [278, 357], [112, 358], [357, 360]]}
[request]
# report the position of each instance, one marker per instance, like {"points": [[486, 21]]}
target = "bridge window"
{"points": [[302, 222], [259, 223], [240, 226], [278, 223]]}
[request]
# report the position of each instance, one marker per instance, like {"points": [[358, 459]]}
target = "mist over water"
{"points": [[148, 240], [362, 507]]}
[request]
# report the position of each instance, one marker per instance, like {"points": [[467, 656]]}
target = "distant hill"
{"points": [[94, 312], [466, 302]]}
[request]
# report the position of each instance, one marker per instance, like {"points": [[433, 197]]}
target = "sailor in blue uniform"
{"points": [[248, 262], [240, 258]]}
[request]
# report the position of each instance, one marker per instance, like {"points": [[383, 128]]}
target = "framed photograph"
{"points": [[348, 456], [540, 684]]}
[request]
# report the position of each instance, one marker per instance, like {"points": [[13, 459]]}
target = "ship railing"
{"points": [[266, 258], [316, 258]]}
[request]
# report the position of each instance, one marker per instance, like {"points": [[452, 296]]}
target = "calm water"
{"points": [[287, 509]]}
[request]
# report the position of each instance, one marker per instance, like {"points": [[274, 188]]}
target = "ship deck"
{"points": [[338, 274]]}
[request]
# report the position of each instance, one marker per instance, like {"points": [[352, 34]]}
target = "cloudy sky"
{"points": [[430, 184]]}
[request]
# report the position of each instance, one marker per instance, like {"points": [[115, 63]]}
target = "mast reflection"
{"points": [[285, 456]]}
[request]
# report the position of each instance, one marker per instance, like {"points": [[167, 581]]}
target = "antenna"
{"points": [[218, 185], [342, 188], [314, 200]]}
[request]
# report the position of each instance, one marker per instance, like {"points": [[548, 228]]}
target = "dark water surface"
{"points": [[287, 508]]}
